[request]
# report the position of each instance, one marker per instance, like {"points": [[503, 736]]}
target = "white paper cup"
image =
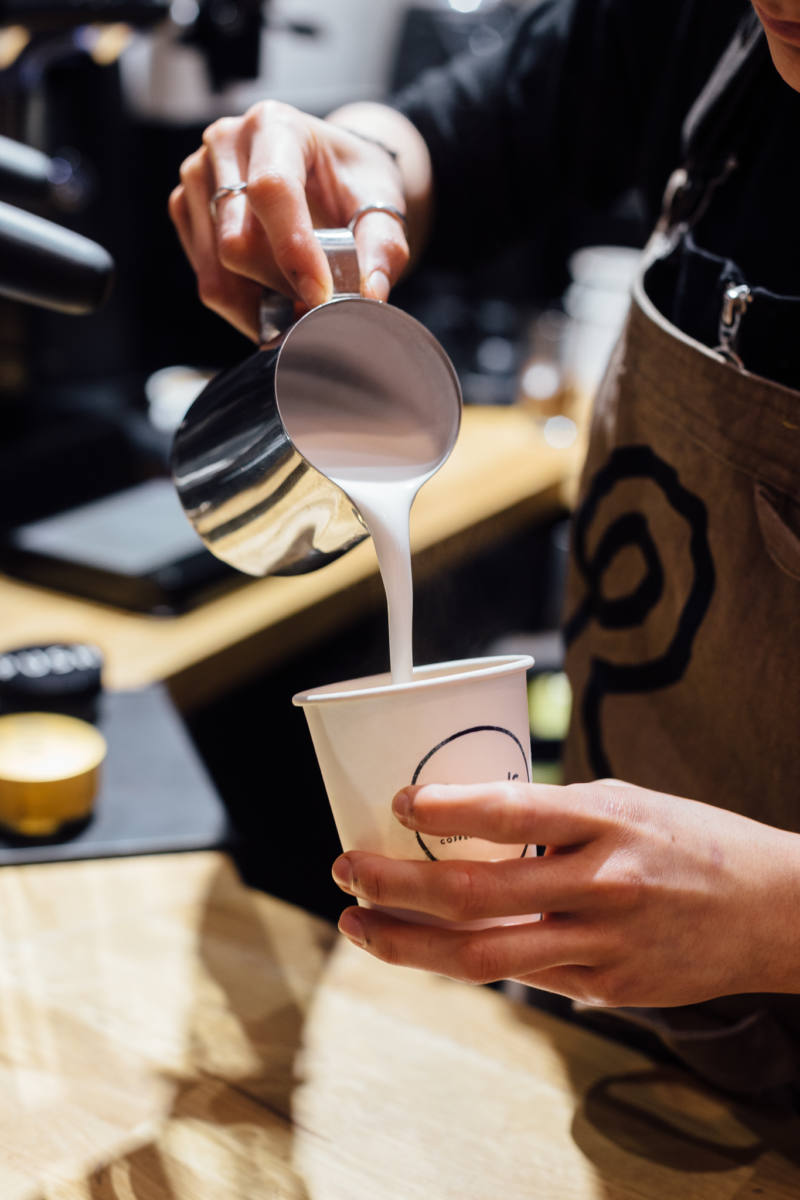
{"points": [[456, 722]]}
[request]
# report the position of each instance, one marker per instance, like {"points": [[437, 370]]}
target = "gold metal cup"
{"points": [[49, 771]]}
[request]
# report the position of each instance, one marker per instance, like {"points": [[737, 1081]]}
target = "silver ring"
{"points": [[235, 189], [369, 208]]}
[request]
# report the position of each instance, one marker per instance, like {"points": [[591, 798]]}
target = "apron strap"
{"points": [[717, 128]]}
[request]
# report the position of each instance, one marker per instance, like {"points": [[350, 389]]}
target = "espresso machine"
{"points": [[86, 505]]}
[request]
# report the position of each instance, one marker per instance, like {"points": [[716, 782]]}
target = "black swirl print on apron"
{"points": [[631, 531]]}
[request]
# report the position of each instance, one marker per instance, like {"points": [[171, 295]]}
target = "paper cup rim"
{"points": [[445, 674]]}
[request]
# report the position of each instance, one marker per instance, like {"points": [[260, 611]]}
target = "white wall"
{"points": [[350, 60]]}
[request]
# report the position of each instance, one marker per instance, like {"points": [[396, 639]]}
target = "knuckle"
{"points": [[268, 110], [206, 295], [460, 892], [478, 962], [622, 882], [268, 188], [210, 290], [510, 802], [387, 950], [288, 250], [611, 983], [265, 114], [221, 128], [618, 802], [608, 988], [191, 167], [631, 887], [368, 882], [233, 249], [589, 987], [513, 794], [175, 202], [579, 794]]}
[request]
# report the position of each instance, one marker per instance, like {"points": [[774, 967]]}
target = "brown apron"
{"points": [[683, 626], [683, 608]]}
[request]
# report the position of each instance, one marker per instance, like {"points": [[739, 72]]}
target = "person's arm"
{"points": [[584, 101], [649, 899]]}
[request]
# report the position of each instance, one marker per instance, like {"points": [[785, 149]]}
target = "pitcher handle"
{"points": [[276, 311]]}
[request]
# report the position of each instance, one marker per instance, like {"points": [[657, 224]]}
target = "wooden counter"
{"points": [[167, 1034], [501, 474]]}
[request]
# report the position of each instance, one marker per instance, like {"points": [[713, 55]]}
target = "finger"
{"points": [[382, 252], [367, 176], [278, 152], [241, 241], [504, 952], [233, 297], [536, 813], [461, 890], [178, 208]]}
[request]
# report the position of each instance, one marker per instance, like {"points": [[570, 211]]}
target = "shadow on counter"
{"points": [[660, 1113], [244, 1032]]}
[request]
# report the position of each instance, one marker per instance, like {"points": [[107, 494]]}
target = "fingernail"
{"points": [[351, 926], [378, 285], [343, 873], [312, 291], [401, 806]]}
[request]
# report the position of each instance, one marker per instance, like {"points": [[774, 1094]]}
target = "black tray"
{"points": [[134, 549], [155, 794]]}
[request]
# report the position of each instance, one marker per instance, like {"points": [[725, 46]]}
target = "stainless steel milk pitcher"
{"points": [[253, 498]]}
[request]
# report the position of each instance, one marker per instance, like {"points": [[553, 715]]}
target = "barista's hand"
{"points": [[649, 899], [301, 172]]}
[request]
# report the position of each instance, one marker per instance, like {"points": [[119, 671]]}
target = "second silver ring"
{"points": [[370, 208]]}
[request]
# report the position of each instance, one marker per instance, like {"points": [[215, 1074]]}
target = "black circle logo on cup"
{"points": [[501, 756]]}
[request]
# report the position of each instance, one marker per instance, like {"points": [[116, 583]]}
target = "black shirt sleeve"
{"points": [[584, 101]]}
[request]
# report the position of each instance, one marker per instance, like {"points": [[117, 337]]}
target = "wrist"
{"points": [[775, 930]]}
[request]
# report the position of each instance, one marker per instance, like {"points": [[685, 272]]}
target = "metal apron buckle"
{"points": [[735, 301]]}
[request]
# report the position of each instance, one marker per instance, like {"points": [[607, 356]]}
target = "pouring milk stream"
{"points": [[380, 457]]}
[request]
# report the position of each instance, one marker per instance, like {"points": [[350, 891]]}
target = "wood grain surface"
{"points": [[168, 1034], [501, 474]]}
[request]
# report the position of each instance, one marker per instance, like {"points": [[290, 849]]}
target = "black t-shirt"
{"points": [[588, 100]]}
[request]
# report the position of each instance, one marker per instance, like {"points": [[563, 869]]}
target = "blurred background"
{"points": [[114, 94]]}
